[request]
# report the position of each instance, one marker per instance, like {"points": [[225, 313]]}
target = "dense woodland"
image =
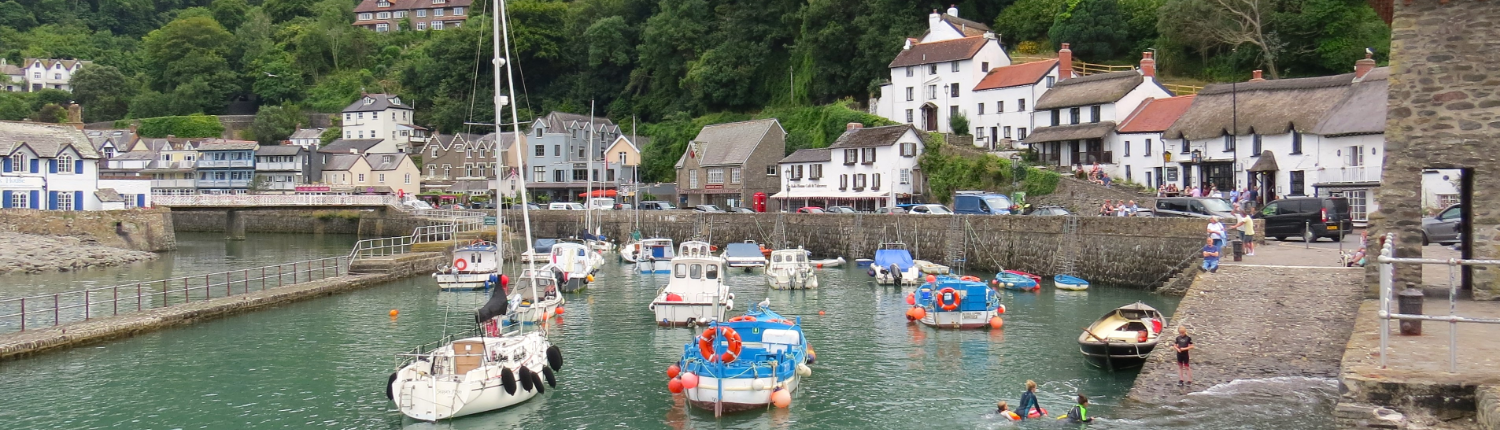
{"points": [[670, 63]]}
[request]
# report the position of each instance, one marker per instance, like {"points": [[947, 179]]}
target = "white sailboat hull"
{"points": [[462, 281], [654, 267], [791, 279], [421, 395], [535, 313], [910, 276]]}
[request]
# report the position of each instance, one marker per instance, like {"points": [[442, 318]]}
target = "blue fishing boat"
{"points": [[746, 363], [1070, 283], [950, 302], [1011, 281]]}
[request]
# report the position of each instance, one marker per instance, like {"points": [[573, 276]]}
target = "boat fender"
{"points": [[525, 377], [508, 381], [536, 381], [460, 264], [554, 357], [1140, 336], [549, 376], [803, 370], [871, 272], [390, 387], [812, 357]]}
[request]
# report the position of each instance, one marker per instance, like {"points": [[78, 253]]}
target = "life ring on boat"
{"points": [[1140, 336], [971, 279], [947, 298], [460, 264], [743, 318], [706, 344]]}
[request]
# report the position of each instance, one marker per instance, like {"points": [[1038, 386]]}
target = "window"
{"points": [[908, 116], [1184, 149], [421, 13], [581, 150], [981, 108], [932, 92], [952, 111], [421, 25], [382, 28], [362, 134], [383, 3], [908, 71], [771, 171], [1147, 151], [1298, 183], [1057, 117], [693, 179], [716, 175], [383, 15], [458, 11], [908, 149], [468, 153], [859, 182], [431, 170], [18, 162], [1255, 145], [609, 175], [438, 12], [1021, 133], [57, 76], [437, 25], [843, 182], [905, 176], [362, 17], [18, 200], [538, 174], [400, 14], [734, 175], [1228, 143], [64, 200], [1051, 80], [1020, 105], [816, 171], [361, 177], [1007, 132], [1296, 142], [580, 174], [869, 155], [1127, 149], [381, 178], [797, 172], [953, 90], [1074, 115], [851, 156], [1354, 156], [1127, 173], [932, 69], [65, 164], [909, 93], [556, 150], [999, 107], [1094, 114], [984, 66], [875, 185]]}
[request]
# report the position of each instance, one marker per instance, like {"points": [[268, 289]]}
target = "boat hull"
{"points": [[1116, 355], [683, 314], [420, 395], [740, 394], [463, 281], [654, 267], [785, 281], [536, 313], [575, 283], [910, 276], [958, 320]]}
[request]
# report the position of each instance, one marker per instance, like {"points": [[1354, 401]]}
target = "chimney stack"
{"points": [[1064, 62], [853, 126], [953, 10], [1255, 76], [909, 42], [1148, 65], [1364, 66]]}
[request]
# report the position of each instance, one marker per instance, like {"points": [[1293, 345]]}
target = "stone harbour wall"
{"points": [[1141, 252], [136, 229], [367, 223], [32, 253]]}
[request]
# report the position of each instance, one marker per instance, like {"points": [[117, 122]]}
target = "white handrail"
{"points": [[1388, 261]]}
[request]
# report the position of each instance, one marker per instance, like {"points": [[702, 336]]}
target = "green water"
{"points": [[323, 363]]}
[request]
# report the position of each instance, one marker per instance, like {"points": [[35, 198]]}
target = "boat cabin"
{"points": [[656, 249], [789, 256], [546, 285], [571, 257]]}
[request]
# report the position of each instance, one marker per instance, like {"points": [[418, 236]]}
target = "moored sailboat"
{"points": [[476, 266]]}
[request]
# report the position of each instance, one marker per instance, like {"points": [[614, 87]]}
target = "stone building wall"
{"points": [[1142, 252], [138, 229], [1085, 198], [1444, 112], [366, 223]]}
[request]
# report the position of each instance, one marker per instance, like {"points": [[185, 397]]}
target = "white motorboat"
{"points": [[790, 270], [930, 268], [696, 293], [630, 250], [528, 305], [576, 263], [476, 266], [654, 255], [893, 266], [827, 263], [540, 252], [745, 254]]}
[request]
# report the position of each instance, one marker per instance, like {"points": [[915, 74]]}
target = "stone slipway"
{"points": [[1257, 322], [367, 273]]}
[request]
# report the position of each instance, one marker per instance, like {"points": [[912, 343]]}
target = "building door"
{"points": [[929, 117], [994, 138], [1219, 175]]}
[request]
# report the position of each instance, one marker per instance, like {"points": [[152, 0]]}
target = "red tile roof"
{"points": [[374, 5], [1016, 75], [1155, 115], [940, 52]]}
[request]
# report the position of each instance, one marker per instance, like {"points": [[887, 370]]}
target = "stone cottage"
{"points": [[727, 164]]}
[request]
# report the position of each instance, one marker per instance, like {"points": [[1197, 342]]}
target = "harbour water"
{"points": [[323, 363]]}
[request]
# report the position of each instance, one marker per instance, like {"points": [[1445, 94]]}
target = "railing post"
{"points": [[86, 314], [324, 271], [56, 300], [208, 285], [23, 314], [262, 278], [117, 300], [278, 275], [138, 299]]}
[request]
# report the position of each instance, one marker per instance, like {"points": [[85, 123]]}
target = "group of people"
{"points": [[1245, 198], [1120, 208], [1096, 175], [1031, 409], [1217, 232]]}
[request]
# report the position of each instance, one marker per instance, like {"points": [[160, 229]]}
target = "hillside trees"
{"points": [[103, 92]]}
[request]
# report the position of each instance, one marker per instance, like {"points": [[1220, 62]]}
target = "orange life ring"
{"points": [[460, 264], [971, 279], [943, 295], [1140, 336], [743, 318], [706, 344]]}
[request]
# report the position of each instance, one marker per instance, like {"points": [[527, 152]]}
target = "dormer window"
{"points": [[439, 1], [387, 158], [383, 3], [395, 100]]}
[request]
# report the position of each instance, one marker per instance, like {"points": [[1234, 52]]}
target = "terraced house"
{"points": [[226, 166], [47, 167], [933, 77], [389, 15], [558, 157]]}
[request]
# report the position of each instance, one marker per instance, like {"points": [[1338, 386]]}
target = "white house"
{"points": [[1440, 188], [384, 117], [1140, 154], [47, 166], [308, 138], [44, 73], [866, 168], [1319, 136], [1075, 119], [281, 168], [124, 193], [933, 78], [1004, 99]]}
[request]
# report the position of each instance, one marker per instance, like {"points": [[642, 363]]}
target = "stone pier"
{"points": [[234, 225]]}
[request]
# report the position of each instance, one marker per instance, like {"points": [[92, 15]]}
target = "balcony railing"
{"points": [[173, 183], [1352, 174], [278, 165], [224, 200], [223, 183], [171, 165], [225, 163]]}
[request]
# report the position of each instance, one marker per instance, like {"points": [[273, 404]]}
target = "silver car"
{"points": [[929, 209], [1443, 228]]}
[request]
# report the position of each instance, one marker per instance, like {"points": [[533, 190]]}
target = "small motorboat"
{"points": [[540, 252], [893, 266], [863, 262], [957, 303], [696, 292], [573, 264], [827, 263], [652, 256], [930, 268], [1123, 338], [746, 363], [533, 297], [745, 255], [1035, 278], [790, 270], [1070, 283], [1011, 281], [476, 266]]}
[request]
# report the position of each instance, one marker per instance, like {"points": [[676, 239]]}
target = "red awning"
{"points": [[602, 193]]}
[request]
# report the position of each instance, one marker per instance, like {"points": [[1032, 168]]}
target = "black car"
{"points": [[1308, 217], [1049, 211], [1193, 207]]}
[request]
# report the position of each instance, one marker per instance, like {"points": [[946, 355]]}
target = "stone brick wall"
{"points": [[1082, 197], [1140, 252], [138, 229], [1444, 113], [366, 223]]}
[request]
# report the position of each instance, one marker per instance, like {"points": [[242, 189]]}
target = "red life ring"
{"points": [[706, 344], [460, 264], [971, 279], [743, 318], [943, 296], [1140, 336]]}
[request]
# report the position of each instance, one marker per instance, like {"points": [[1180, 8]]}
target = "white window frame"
{"points": [[421, 13], [421, 26], [905, 176], [693, 179], [382, 15], [539, 174], [382, 27], [18, 199], [734, 175], [366, 16], [64, 200], [437, 25], [439, 12], [65, 164], [458, 11], [716, 175], [361, 178]]}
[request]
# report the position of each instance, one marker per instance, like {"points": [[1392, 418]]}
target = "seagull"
{"points": [[1369, 50], [765, 304]]}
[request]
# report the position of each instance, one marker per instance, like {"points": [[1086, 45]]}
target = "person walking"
{"points": [[1216, 231], [1132, 209], [1182, 345], [1246, 226]]}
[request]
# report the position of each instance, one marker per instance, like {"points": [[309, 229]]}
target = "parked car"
{"points": [[1050, 211], [624, 206], [1145, 213], [707, 208], [810, 210], [742, 210], [564, 206], [1443, 228], [656, 205], [890, 211], [416, 205], [981, 203], [841, 210], [1193, 207], [1308, 217], [929, 209]]}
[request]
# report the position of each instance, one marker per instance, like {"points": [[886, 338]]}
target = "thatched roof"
{"points": [[1264, 107], [1090, 90], [1071, 132], [1266, 163], [1363, 111]]}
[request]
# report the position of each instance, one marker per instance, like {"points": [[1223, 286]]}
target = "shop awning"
{"points": [[1266, 163], [829, 194]]}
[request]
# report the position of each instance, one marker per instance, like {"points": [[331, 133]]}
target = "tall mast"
{"points": [[588, 220], [503, 25]]}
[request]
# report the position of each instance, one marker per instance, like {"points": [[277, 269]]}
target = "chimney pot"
{"points": [[953, 10], [1148, 65], [1255, 76], [853, 126], [1364, 66], [1064, 62]]}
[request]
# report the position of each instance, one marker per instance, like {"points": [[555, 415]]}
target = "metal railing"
{"points": [[390, 246], [46, 310], [1388, 262], [215, 200]]}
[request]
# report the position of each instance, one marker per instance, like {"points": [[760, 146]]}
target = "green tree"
{"points": [[329, 135], [131, 17], [186, 50], [230, 13], [50, 96], [150, 104], [959, 124], [205, 94], [1096, 29], [285, 10], [196, 125], [1028, 19], [608, 43], [15, 16], [103, 92], [13, 106], [51, 113], [274, 124], [278, 82]]}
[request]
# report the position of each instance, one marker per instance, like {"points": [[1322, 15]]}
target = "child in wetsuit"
{"points": [[1182, 345], [1080, 412], [1028, 401]]}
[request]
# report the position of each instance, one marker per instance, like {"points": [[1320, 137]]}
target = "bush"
{"points": [[196, 125], [1029, 48], [959, 124], [951, 169]]}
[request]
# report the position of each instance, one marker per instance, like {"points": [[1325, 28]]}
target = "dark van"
{"points": [[1307, 217], [981, 203], [1193, 207]]}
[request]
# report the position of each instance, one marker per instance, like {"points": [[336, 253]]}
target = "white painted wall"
{"points": [[893, 105], [1436, 184], [129, 188], [1011, 116], [379, 125]]}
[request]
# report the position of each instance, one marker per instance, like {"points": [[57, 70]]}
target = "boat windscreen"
{"points": [[742, 250], [900, 257]]}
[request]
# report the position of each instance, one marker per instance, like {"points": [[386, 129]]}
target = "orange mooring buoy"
{"points": [[394, 313]]}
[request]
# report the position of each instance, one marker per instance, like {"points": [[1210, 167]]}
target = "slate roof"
{"points": [[1155, 115], [1071, 132], [377, 161], [732, 143], [1261, 107], [12, 70], [869, 137], [137, 155], [306, 133], [1016, 75], [940, 52], [1362, 111], [49, 62], [121, 137], [46, 140], [337, 162], [342, 146], [279, 150], [558, 121], [1090, 90], [108, 195], [813, 155], [376, 103], [228, 145], [158, 144]]}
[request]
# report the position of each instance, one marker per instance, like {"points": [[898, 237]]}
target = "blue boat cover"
{"points": [[742, 250], [543, 246], [900, 257], [1069, 280]]}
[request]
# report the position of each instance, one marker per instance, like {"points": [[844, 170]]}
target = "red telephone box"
{"points": [[759, 202]]}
